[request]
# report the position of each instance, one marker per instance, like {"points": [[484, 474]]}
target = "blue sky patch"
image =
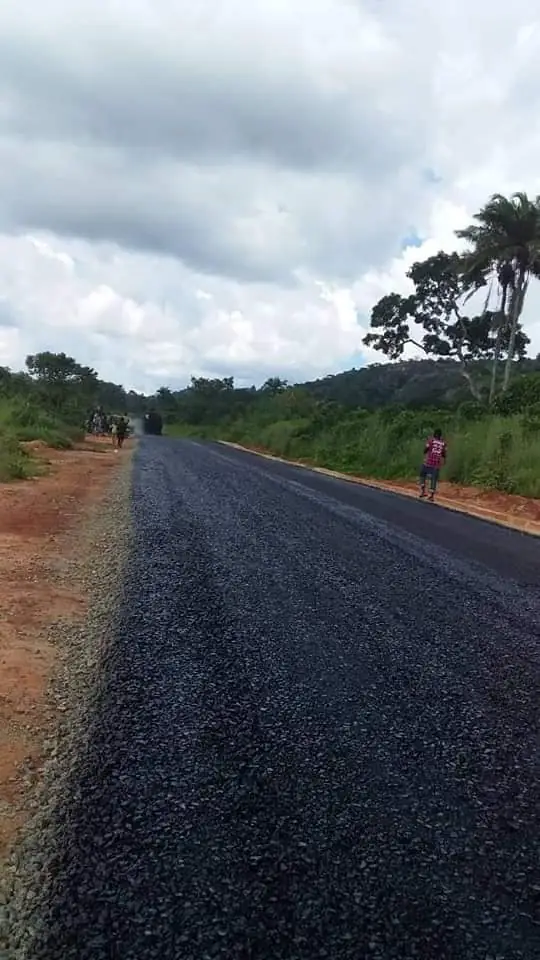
{"points": [[411, 240]]}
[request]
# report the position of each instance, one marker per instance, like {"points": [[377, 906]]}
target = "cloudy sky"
{"points": [[225, 187]]}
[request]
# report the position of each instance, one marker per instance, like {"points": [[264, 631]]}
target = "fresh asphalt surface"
{"points": [[318, 735]]}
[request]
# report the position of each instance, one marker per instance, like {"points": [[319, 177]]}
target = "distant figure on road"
{"points": [[434, 459], [121, 431]]}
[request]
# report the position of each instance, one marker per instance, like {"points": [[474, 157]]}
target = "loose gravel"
{"points": [[316, 733], [103, 546]]}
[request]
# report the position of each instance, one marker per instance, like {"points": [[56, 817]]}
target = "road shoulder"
{"points": [[44, 529], [515, 513]]}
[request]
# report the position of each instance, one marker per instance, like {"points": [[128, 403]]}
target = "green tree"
{"points": [[12, 383], [435, 311], [274, 385], [505, 241], [165, 403], [112, 397], [498, 319], [206, 400], [522, 394], [64, 383]]}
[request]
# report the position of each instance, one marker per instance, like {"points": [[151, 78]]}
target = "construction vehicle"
{"points": [[153, 424]]}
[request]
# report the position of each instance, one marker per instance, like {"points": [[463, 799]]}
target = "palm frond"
{"points": [[506, 231]]}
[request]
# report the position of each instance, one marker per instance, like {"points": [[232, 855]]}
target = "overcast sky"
{"points": [[223, 187]]}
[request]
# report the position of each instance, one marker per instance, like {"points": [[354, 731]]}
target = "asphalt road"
{"points": [[318, 735]]}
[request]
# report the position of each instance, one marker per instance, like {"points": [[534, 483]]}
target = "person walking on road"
{"points": [[121, 432], [434, 460]]}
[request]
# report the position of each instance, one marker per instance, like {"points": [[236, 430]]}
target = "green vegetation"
{"points": [[475, 383], [495, 450], [373, 422], [49, 402], [503, 254], [15, 463]]}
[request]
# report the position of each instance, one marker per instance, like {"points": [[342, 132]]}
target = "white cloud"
{"points": [[218, 189]]}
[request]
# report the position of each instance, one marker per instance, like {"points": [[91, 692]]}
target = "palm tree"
{"points": [[505, 241], [506, 276]]}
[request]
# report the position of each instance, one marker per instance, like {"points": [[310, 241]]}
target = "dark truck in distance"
{"points": [[153, 424]]}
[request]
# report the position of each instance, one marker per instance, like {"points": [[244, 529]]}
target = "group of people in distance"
{"points": [[117, 427], [119, 430]]}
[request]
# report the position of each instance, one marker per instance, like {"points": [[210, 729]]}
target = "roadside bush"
{"points": [[523, 393], [15, 463], [25, 420]]}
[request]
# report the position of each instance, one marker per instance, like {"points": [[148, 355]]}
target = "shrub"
{"points": [[25, 420], [523, 392], [15, 463]]}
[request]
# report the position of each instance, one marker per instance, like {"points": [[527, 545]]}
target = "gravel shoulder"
{"points": [[315, 733], [60, 537]]}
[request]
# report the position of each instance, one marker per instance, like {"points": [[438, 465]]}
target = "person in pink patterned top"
{"points": [[434, 460]]}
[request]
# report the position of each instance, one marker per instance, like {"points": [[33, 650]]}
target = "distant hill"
{"points": [[413, 383]]}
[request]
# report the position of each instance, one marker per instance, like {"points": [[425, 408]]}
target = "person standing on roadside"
{"points": [[434, 460]]}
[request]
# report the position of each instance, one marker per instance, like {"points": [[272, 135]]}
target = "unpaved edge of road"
{"points": [[104, 540], [459, 506]]}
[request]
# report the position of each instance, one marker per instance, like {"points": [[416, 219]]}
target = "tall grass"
{"points": [[493, 452], [25, 419], [22, 419], [15, 462]]}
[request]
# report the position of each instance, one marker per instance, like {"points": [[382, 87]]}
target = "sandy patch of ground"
{"points": [[38, 525], [510, 510]]}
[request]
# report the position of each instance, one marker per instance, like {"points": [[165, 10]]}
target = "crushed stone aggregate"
{"points": [[316, 732], [100, 548]]}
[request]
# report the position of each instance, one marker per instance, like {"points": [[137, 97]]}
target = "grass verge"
{"points": [[492, 453], [22, 421]]}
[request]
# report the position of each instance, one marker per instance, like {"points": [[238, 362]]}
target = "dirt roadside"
{"points": [[39, 520], [508, 510]]}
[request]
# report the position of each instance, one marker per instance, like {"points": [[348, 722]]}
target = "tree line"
{"points": [[466, 357], [66, 387]]}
